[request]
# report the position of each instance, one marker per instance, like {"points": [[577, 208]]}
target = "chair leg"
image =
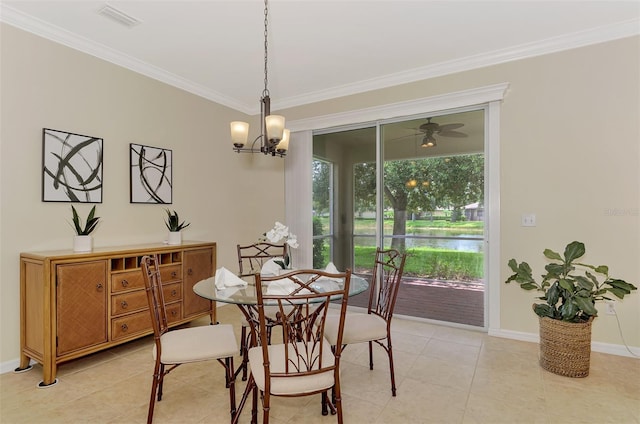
{"points": [[244, 351], [370, 355], [265, 407], [325, 403], [254, 408], [391, 369], [230, 377], [160, 382], [338, 403], [154, 389]]}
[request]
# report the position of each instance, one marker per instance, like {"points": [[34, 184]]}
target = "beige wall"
{"points": [[44, 84], [570, 137], [570, 153]]}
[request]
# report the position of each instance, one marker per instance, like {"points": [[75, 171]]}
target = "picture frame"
{"points": [[151, 174], [72, 167]]}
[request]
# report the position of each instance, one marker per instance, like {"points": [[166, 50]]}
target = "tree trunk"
{"points": [[399, 204], [399, 229]]}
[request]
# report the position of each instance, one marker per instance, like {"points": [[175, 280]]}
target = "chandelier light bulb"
{"points": [[275, 127], [239, 133], [283, 146]]}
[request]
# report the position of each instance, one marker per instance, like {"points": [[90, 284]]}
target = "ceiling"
{"points": [[318, 49]]}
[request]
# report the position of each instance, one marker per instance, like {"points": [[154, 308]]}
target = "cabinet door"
{"points": [[81, 305], [198, 265]]}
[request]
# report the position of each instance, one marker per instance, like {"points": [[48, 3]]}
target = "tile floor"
{"points": [[444, 375]]}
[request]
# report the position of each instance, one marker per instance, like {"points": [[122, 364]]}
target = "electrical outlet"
{"points": [[528, 220], [611, 307]]}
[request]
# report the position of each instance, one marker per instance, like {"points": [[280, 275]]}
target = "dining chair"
{"points": [[303, 363], [251, 258], [185, 345], [375, 325]]}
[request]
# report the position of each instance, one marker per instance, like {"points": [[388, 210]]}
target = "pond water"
{"points": [[432, 238]]}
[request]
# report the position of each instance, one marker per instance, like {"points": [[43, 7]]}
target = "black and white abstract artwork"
{"points": [[72, 167], [151, 174]]}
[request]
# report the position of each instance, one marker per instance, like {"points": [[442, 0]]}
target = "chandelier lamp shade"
{"points": [[274, 137]]}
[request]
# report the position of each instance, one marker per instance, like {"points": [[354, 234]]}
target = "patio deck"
{"points": [[452, 301]]}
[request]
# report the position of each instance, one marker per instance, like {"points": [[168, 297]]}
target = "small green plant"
{"points": [[173, 222], [91, 223], [569, 295]]}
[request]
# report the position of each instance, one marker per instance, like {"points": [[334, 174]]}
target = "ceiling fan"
{"points": [[431, 129]]}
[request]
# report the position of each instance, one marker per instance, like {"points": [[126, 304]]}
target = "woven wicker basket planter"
{"points": [[565, 347]]}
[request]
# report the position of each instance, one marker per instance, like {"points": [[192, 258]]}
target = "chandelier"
{"points": [[274, 137]]}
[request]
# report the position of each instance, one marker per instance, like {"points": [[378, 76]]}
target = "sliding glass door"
{"points": [[417, 185]]}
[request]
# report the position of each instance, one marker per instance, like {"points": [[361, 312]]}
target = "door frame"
{"points": [[298, 201]]}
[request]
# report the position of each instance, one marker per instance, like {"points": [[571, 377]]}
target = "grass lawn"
{"points": [[424, 262]]}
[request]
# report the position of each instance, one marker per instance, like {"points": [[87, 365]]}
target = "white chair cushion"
{"points": [[289, 385], [197, 344], [358, 328]]}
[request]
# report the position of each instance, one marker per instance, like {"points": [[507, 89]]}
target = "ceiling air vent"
{"points": [[118, 16]]}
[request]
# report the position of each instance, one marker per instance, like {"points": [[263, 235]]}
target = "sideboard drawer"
{"points": [[171, 293], [129, 302], [127, 281], [174, 312], [130, 325], [171, 273]]}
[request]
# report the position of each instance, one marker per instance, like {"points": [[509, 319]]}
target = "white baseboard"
{"points": [[612, 349], [609, 348], [10, 366]]}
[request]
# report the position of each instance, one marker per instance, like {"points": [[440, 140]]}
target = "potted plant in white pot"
{"points": [[83, 241], [571, 290], [175, 226]]}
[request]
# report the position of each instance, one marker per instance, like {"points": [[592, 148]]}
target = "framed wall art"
{"points": [[71, 167], [151, 174]]}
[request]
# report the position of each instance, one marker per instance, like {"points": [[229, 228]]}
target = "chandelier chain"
{"points": [[266, 32]]}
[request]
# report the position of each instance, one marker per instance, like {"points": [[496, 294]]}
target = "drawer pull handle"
{"points": [[124, 327], [174, 274], [125, 283], [190, 271], [174, 293], [174, 313], [99, 287], [124, 304]]}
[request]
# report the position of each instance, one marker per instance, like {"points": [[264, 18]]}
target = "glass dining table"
{"points": [[244, 296]]}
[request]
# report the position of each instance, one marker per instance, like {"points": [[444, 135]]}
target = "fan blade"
{"points": [[455, 134], [447, 127], [405, 136]]}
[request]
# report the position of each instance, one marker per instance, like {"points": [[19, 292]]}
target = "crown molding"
{"points": [[552, 45], [602, 34]]}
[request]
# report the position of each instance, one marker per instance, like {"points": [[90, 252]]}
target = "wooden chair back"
{"points": [[251, 257], [387, 273], [302, 313], [155, 296]]}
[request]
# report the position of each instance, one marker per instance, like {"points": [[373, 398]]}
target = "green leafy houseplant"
{"points": [[570, 288], [173, 222], [90, 225]]}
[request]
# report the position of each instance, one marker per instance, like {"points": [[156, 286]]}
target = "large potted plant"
{"points": [[83, 241], [570, 292], [174, 226]]}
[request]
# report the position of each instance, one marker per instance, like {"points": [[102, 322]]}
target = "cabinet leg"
{"points": [[48, 374], [25, 364]]}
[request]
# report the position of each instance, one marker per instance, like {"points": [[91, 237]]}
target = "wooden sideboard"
{"points": [[74, 304]]}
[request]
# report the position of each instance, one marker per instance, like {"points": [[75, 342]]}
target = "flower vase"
{"points": [[82, 243], [175, 237]]}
